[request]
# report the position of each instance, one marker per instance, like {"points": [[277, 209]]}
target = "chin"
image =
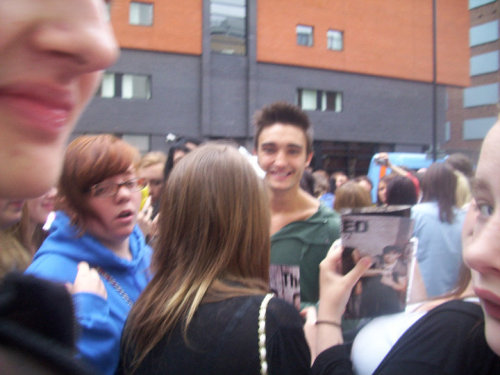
{"points": [[492, 332]]}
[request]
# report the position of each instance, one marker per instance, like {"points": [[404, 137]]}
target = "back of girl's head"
{"points": [[351, 195], [439, 184], [213, 244], [215, 217], [461, 163], [90, 159], [401, 191]]}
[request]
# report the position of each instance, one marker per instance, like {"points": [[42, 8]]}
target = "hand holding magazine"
{"points": [[384, 234]]}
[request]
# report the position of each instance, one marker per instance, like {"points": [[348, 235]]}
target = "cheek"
{"points": [[263, 161], [87, 87]]}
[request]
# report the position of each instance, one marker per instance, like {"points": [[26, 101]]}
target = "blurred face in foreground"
{"points": [[481, 236], [51, 55]]}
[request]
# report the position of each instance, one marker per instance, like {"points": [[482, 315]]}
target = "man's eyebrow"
{"points": [[267, 144], [289, 145]]}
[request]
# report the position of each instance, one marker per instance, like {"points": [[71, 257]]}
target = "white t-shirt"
{"points": [[374, 341]]}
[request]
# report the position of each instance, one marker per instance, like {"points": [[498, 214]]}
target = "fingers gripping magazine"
{"points": [[384, 234]]}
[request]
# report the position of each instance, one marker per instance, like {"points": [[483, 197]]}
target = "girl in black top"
{"points": [[199, 314]]}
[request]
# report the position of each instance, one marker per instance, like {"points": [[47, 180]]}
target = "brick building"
{"points": [[363, 69], [472, 111]]}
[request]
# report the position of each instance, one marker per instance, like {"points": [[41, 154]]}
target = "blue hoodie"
{"points": [[101, 320]]}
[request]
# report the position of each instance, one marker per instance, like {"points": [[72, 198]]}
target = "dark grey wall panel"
{"points": [[174, 105], [375, 109], [228, 96]]}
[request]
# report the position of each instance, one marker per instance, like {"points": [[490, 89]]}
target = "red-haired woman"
{"points": [[95, 238]]}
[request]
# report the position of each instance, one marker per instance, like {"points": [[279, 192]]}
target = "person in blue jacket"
{"points": [[95, 245]]}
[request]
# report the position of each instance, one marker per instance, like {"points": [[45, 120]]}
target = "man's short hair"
{"points": [[284, 113]]}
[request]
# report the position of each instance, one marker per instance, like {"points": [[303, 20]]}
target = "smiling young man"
{"points": [[302, 230]]}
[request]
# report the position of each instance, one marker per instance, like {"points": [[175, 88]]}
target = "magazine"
{"points": [[383, 233], [284, 282]]}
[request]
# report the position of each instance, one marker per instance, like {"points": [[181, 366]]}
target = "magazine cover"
{"points": [[284, 282], [384, 234]]}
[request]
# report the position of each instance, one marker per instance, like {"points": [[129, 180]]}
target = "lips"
{"points": [[280, 174], [490, 302], [16, 205], [43, 108], [125, 214]]}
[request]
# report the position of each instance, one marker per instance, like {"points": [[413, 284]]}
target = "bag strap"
{"points": [[262, 333], [116, 286]]}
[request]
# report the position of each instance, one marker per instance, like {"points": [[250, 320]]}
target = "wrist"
{"points": [[330, 323]]}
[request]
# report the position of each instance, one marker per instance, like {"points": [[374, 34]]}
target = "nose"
{"points": [[280, 159], [481, 245], [78, 34], [123, 193]]}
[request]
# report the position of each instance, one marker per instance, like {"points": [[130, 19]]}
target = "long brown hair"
{"points": [[439, 184], [213, 244]]}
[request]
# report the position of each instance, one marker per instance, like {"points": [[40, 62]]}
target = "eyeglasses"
{"points": [[110, 189]]}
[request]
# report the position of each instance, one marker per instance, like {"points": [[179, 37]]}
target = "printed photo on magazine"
{"points": [[384, 234], [284, 282]]}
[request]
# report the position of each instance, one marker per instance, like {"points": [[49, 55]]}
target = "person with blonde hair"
{"points": [[351, 195], [151, 168], [200, 312], [95, 233]]}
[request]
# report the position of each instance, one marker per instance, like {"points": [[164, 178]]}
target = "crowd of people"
{"points": [[161, 263]]}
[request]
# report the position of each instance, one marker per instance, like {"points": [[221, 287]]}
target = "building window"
{"points": [[335, 40], [125, 86], [108, 12], [304, 35], [140, 141], [481, 95], [484, 33], [319, 100], [477, 128], [484, 63], [141, 14], [478, 3], [228, 31]]}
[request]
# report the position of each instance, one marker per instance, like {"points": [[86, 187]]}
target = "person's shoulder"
{"points": [[425, 209], [330, 217], [53, 266], [424, 206], [459, 307]]}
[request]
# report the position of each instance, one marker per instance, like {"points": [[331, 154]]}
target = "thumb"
{"points": [[353, 276]]}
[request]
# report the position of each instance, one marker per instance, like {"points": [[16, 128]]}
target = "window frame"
{"points": [[303, 31], [331, 40], [139, 4], [116, 84], [321, 99]]}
